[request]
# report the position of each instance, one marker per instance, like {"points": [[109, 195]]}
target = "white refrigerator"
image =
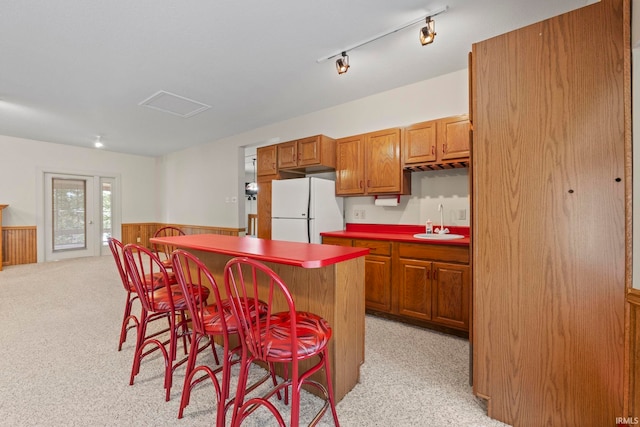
{"points": [[302, 208]]}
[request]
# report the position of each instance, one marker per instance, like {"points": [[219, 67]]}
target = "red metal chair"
{"points": [[284, 336], [167, 301], [164, 251], [208, 322], [117, 250]]}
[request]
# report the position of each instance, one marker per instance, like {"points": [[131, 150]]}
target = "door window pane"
{"points": [[107, 203], [69, 214]]}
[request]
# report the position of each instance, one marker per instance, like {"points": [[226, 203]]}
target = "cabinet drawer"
{"points": [[434, 252], [336, 241], [376, 247]]}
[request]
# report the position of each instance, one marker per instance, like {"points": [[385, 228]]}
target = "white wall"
{"points": [[23, 160], [214, 172]]}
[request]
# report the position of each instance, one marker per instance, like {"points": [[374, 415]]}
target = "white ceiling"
{"points": [[74, 69]]}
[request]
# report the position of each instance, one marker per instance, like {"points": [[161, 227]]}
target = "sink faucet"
{"points": [[442, 229]]}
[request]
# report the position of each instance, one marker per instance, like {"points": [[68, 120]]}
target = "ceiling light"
{"points": [[98, 143], [428, 33], [342, 64]]}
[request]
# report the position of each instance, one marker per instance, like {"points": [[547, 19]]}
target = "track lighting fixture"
{"points": [[428, 33], [342, 64]]}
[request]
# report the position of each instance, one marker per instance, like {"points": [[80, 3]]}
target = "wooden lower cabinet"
{"points": [[426, 285], [434, 291], [415, 289]]}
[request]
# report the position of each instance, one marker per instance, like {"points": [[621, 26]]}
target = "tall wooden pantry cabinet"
{"points": [[550, 117]]}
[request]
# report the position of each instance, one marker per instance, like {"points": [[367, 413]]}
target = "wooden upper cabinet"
{"points": [[267, 160], [312, 154], [287, 154], [371, 164], [382, 162], [420, 142], [455, 137], [437, 141], [350, 166]]}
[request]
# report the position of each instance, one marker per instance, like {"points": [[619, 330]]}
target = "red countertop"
{"points": [[401, 233], [306, 255]]}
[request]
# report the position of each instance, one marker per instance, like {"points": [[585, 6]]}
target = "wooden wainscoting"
{"points": [[19, 245], [633, 355], [144, 231]]}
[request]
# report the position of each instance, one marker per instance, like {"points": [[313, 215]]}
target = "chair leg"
{"points": [[137, 355], [240, 391], [125, 320], [332, 400], [191, 361]]}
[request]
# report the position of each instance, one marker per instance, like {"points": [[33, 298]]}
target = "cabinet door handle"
{"points": [[368, 183], [444, 148], [433, 150], [435, 275], [429, 274], [361, 182]]}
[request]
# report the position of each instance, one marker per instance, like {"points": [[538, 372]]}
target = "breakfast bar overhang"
{"points": [[324, 279]]}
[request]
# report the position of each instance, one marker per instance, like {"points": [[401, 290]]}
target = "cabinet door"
{"points": [[455, 137], [451, 287], [267, 164], [382, 162], [309, 151], [377, 282], [287, 154], [264, 209], [419, 143], [414, 289], [350, 166]]}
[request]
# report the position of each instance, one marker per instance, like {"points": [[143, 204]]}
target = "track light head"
{"points": [[342, 64], [428, 33]]}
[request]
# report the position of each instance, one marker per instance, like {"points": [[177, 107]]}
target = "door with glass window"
{"points": [[70, 223]]}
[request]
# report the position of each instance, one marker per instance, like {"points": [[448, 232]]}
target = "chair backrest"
{"points": [[193, 277], [249, 283], [117, 247], [147, 273], [168, 231]]}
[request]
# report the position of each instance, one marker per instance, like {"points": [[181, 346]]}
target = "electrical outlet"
{"points": [[138, 240], [462, 214], [234, 200], [358, 214]]}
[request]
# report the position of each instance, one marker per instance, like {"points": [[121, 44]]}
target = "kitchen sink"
{"points": [[438, 236]]}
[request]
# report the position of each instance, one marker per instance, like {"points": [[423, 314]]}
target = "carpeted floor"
{"points": [[59, 364]]}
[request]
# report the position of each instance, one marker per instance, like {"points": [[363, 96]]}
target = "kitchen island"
{"points": [[323, 279]]}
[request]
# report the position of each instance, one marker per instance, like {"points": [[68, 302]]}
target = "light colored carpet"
{"points": [[59, 364]]}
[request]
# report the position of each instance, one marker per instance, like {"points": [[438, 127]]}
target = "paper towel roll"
{"points": [[386, 201]]}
